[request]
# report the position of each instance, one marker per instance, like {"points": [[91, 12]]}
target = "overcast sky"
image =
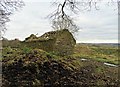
{"points": [[95, 25]]}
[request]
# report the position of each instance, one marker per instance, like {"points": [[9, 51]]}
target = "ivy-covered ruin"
{"points": [[60, 42]]}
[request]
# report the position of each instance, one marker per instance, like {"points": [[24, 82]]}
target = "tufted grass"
{"points": [[100, 53]]}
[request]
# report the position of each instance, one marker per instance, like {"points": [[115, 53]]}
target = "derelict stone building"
{"points": [[60, 42]]}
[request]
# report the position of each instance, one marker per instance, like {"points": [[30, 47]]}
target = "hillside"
{"points": [[100, 52], [27, 67]]}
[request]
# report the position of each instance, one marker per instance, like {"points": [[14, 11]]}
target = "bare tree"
{"points": [[62, 20], [7, 8]]}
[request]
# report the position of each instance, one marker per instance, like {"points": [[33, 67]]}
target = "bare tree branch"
{"points": [[7, 8], [61, 19]]}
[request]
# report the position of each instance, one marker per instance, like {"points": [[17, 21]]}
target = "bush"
{"points": [[26, 50]]}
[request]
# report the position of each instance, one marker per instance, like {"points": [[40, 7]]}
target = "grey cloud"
{"points": [[97, 25]]}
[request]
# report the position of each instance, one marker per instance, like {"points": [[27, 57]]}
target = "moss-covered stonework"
{"points": [[60, 42]]}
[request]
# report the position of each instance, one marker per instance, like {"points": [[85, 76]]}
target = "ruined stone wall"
{"points": [[46, 45], [65, 43], [60, 42]]}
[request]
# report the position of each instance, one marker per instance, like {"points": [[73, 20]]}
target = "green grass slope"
{"points": [[26, 67], [97, 52]]}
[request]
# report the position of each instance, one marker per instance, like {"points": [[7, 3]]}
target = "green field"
{"points": [[100, 52]]}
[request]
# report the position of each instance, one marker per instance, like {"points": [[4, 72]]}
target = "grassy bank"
{"points": [[23, 66], [101, 53]]}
